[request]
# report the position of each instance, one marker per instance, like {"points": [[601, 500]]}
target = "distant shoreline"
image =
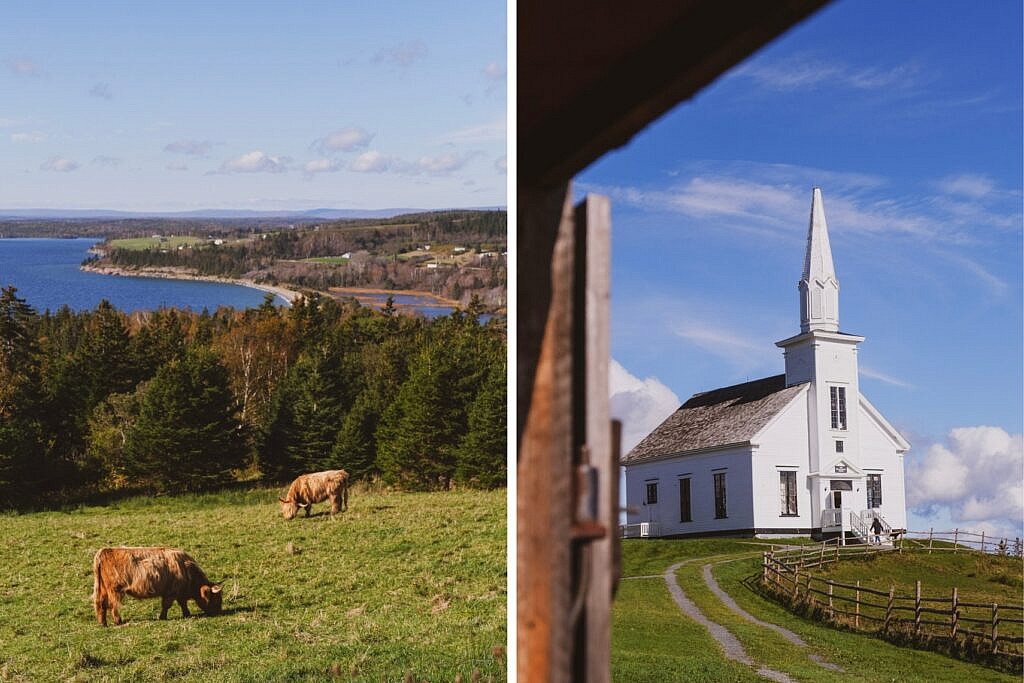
{"points": [[290, 296]]}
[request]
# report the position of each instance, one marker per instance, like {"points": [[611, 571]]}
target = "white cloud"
{"points": [[742, 351], [24, 67], [177, 166], [975, 479], [101, 90], [321, 166], [402, 55], [809, 73], [443, 164], [344, 140], [59, 164], [375, 162], [968, 184], [34, 136], [492, 131], [255, 161], [641, 404], [866, 371], [495, 71], [195, 148]]}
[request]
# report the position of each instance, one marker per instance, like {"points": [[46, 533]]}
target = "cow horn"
{"points": [[303, 505], [216, 587]]}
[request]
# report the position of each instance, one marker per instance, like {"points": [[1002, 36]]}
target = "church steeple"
{"points": [[819, 288]]}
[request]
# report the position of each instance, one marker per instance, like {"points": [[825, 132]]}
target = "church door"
{"points": [[837, 500]]}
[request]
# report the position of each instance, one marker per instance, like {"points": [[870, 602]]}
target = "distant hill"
{"points": [[311, 214]]}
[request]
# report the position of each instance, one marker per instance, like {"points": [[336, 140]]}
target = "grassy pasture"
{"points": [[333, 260], [170, 242], [653, 641], [401, 582]]}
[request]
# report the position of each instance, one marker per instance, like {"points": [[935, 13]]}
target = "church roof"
{"points": [[720, 417]]}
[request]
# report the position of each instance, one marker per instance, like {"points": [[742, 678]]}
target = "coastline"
{"points": [[289, 296]]}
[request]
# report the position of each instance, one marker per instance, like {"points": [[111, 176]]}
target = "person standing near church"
{"points": [[876, 528]]}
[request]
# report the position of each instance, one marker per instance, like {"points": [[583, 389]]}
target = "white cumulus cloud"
{"points": [[641, 404], [975, 478], [59, 164], [321, 166], [33, 136], [255, 161], [344, 140], [443, 164], [375, 162]]}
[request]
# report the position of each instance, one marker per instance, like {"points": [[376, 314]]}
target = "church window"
{"points": [[874, 490], [652, 492], [684, 500], [839, 446], [720, 495], [838, 395], [787, 491]]}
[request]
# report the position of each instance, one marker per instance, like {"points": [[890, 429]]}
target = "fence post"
{"points": [[837, 552], [930, 531], [856, 607], [796, 582], [764, 568], [956, 532], [953, 617], [807, 589], [888, 608], [902, 536], [982, 541], [995, 625], [831, 613], [917, 607], [821, 559]]}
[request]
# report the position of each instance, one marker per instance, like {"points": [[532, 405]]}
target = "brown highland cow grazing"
{"points": [[150, 573], [315, 488]]}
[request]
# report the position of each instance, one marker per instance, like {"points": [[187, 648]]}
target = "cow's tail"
{"points": [[96, 574]]}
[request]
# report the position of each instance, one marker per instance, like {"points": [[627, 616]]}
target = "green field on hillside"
{"points": [[652, 640], [401, 582], [167, 242], [333, 260]]}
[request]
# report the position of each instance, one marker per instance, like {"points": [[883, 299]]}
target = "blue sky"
{"points": [[908, 115], [257, 105]]}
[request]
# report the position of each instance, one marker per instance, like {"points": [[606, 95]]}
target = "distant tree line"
{"points": [[172, 400], [277, 256]]}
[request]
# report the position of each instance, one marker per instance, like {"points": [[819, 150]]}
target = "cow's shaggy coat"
{"points": [[165, 573], [315, 488]]}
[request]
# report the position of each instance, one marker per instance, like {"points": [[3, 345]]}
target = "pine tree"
{"points": [[355, 449], [186, 435], [481, 455], [21, 445]]}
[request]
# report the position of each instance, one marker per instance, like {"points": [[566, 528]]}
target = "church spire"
{"points": [[819, 289]]}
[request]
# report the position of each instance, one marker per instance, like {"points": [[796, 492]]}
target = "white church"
{"points": [[802, 453]]}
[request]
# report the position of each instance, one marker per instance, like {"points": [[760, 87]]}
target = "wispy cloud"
{"points": [[101, 90], [7, 122], [402, 55], [321, 166], [441, 165], [495, 71], [195, 148], [375, 162], [256, 161], [743, 352], [33, 136], [968, 184], [59, 164], [993, 282], [866, 371], [809, 73], [444, 163], [176, 166], [24, 67], [491, 131], [343, 140]]}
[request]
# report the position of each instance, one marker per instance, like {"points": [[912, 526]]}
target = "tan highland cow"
{"points": [[163, 573], [315, 488]]}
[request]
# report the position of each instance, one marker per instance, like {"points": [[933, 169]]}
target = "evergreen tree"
{"points": [[186, 435], [355, 449], [481, 456], [21, 444]]}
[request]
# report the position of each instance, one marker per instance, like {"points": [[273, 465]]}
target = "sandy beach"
{"points": [[289, 296]]}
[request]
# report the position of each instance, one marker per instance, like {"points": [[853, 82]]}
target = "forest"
{"points": [[101, 401]]}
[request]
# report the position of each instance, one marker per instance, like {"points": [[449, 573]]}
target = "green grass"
{"points": [[334, 260], [401, 582], [652, 640], [170, 242]]}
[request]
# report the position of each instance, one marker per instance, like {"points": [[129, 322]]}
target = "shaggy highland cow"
{"points": [[315, 488], [150, 573]]}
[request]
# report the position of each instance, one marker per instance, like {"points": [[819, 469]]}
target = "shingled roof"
{"points": [[714, 418]]}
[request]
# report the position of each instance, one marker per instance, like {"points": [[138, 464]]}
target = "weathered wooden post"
{"points": [[930, 532], [917, 607], [956, 532], [982, 541], [856, 607], [831, 613], [796, 582], [764, 568], [807, 589], [821, 559], [837, 553], [995, 626], [953, 617], [888, 608]]}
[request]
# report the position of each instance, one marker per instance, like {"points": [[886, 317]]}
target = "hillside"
{"points": [[400, 582], [654, 640]]}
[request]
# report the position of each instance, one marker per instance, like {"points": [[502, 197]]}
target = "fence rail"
{"points": [[786, 573]]}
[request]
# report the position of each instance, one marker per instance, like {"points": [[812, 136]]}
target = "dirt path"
{"points": [[731, 646], [742, 613]]}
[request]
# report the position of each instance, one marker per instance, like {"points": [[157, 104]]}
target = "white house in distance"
{"points": [[802, 453]]}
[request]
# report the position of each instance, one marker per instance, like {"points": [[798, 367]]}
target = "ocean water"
{"points": [[46, 273]]}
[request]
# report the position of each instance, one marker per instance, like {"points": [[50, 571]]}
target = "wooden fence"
{"points": [[998, 628]]}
